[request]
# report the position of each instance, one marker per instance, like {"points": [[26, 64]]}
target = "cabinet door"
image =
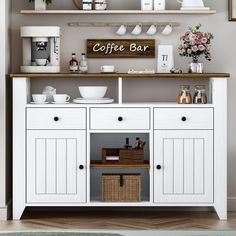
{"points": [[56, 162], [183, 166]]}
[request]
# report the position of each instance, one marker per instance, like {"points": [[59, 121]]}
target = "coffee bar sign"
{"points": [[126, 48]]}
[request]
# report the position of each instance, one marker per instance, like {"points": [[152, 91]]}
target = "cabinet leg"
{"points": [[17, 213], [221, 212]]}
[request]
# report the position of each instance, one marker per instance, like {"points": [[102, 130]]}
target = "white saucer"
{"points": [[93, 101], [195, 8], [60, 102], [39, 103]]}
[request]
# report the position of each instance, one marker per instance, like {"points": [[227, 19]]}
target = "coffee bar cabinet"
{"points": [[57, 154]]}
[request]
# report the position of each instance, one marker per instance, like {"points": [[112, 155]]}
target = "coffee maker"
{"points": [[41, 49]]}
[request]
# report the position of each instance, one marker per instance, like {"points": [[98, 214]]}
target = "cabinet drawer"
{"points": [[183, 118], [120, 118], [56, 118]]}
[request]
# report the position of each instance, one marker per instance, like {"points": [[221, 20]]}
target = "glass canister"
{"points": [[200, 96], [100, 5], [87, 5], [185, 95]]}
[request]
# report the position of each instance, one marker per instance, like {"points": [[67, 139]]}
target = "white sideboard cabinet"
{"points": [[54, 148]]}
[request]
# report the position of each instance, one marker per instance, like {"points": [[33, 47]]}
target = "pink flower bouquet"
{"points": [[195, 43]]}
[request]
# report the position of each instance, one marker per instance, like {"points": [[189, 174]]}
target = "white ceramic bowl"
{"points": [[92, 92]]}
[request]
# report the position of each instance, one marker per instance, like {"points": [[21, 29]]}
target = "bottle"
{"points": [[74, 65], [200, 96], [136, 146], [127, 146], [184, 95], [83, 65]]}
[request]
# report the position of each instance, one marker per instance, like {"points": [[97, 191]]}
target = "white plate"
{"points": [[90, 101], [60, 102], [195, 8], [39, 103], [97, 99]]}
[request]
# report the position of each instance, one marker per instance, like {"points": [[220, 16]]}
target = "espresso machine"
{"points": [[41, 49]]}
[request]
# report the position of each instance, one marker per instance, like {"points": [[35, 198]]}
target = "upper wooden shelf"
{"points": [[107, 12], [123, 75], [100, 165]]}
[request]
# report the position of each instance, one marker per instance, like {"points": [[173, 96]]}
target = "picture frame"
{"points": [[232, 10]]}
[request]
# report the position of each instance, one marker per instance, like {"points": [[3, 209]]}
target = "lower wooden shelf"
{"points": [[100, 165]]}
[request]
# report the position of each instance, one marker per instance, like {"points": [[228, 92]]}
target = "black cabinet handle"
{"points": [[184, 118], [158, 167], [81, 167], [120, 118], [56, 118]]}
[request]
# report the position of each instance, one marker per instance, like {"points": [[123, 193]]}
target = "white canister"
{"points": [[146, 5], [100, 5], [159, 5], [40, 5], [87, 5]]}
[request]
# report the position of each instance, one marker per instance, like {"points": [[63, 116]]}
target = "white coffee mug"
{"points": [[61, 98], [122, 30], [152, 29], [167, 30], [41, 62], [137, 30], [39, 98], [107, 68]]}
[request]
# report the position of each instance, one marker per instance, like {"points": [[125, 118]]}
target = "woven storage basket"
{"points": [[121, 187]]}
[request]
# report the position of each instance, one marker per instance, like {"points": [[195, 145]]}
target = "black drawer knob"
{"points": [[183, 118], [56, 118], [158, 167], [81, 167], [120, 118]]}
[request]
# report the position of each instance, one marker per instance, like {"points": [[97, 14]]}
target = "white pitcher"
{"points": [[191, 3]]}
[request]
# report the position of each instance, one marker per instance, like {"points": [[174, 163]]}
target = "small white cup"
{"points": [[41, 62], [137, 30], [39, 98], [152, 29], [108, 68], [61, 98], [167, 30], [122, 30]]}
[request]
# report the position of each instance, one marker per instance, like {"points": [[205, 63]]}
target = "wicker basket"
{"points": [[121, 187], [126, 156]]}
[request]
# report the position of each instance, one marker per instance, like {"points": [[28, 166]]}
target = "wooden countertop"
{"points": [[116, 75]]}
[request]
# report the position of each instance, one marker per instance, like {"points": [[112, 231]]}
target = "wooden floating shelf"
{"points": [[123, 75], [100, 165], [166, 12]]}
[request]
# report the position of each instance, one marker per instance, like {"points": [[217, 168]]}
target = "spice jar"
{"points": [[185, 95], [87, 5], [100, 5], [200, 96]]}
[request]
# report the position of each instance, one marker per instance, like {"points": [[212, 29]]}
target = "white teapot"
{"points": [[191, 3]]}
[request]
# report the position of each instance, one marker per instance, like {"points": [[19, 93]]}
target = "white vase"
{"points": [[40, 5]]}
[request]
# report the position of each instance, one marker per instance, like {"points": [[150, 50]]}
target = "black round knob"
{"points": [[158, 167], [56, 118], [81, 167], [120, 118], [183, 118]]}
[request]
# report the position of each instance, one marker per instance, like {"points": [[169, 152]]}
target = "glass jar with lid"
{"points": [[185, 95], [87, 5], [100, 5], [200, 96]]}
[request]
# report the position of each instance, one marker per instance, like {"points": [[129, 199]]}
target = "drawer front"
{"points": [[56, 118], [120, 118], [183, 118]]}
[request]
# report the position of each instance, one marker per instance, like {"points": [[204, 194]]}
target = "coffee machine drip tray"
{"points": [[40, 69]]}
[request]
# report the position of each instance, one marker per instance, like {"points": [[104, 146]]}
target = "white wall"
{"points": [[4, 69], [73, 40]]}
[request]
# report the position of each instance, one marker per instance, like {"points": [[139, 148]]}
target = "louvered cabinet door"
{"points": [[183, 166], [56, 170]]}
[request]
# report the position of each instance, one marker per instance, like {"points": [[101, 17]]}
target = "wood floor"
{"points": [[52, 219]]}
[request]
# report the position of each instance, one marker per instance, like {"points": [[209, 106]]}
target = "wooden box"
{"points": [[126, 156], [121, 187]]}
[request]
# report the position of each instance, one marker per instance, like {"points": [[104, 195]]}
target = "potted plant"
{"points": [[41, 4], [195, 43]]}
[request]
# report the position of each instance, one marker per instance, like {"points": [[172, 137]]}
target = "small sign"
{"points": [[115, 48], [165, 59]]}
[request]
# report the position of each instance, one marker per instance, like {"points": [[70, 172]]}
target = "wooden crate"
{"points": [[126, 156], [121, 187]]}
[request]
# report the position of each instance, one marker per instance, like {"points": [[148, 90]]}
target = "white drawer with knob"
{"points": [[183, 118], [119, 118], [56, 118]]}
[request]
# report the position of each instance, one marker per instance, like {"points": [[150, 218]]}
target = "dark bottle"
{"points": [[136, 146], [127, 146], [74, 65]]}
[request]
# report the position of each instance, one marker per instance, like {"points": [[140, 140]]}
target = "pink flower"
{"points": [[189, 51], [201, 47], [194, 48], [192, 37], [203, 40]]}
